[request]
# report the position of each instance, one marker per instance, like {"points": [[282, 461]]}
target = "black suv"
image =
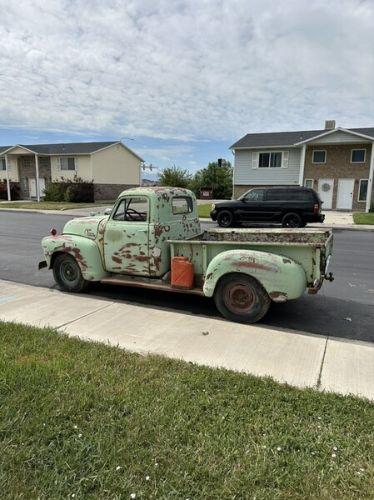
{"points": [[290, 206]]}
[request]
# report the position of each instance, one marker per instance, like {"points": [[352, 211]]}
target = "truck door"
{"points": [[126, 237]]}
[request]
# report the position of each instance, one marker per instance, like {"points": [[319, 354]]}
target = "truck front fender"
{"points": [[282, 277], [84, 250]]}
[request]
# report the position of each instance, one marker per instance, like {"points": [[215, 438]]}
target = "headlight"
{"points": [[213, 206]]}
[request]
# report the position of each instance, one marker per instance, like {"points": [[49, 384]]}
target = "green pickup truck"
{"points": [[243, 269]]}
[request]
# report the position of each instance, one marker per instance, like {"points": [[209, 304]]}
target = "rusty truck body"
{"points": [[244, 270]]}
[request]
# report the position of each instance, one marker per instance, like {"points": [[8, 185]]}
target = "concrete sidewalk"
{"points": [[299, 359]]}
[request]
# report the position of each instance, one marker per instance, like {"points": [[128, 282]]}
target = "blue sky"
{"points": [[183, 79]]}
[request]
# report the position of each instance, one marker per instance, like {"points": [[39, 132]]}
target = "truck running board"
{"points": [[153, 284]]}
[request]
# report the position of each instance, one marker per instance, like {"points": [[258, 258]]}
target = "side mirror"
{"points": [[108, 211]]}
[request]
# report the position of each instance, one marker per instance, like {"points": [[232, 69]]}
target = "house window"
{"points": [[362, 190], [358, 155], [319, 156], [67, 163], [2, 164], [270, 160], [308, 183]]}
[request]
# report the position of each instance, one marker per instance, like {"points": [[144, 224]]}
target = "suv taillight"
{"points": [[316, 208]]}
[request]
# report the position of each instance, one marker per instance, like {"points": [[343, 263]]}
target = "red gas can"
{"points": [[182, 272]]}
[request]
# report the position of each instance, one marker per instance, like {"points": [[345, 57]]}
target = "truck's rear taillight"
{"points": [[316, 208]]}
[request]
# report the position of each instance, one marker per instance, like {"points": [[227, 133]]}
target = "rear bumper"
{"points": [[308, 217]]}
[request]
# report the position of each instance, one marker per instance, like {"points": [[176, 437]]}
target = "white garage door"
{"points": [[345, 194], [325, 191]]}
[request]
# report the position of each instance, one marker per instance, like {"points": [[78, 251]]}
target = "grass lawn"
{"points": [[84, 420], [363, 218], [50, 205], [204, 210]]}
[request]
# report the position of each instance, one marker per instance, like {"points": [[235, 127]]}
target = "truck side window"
{"points": [[134, 209], [181, 205]]}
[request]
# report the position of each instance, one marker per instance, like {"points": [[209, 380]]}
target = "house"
{"points": [[336, 162], [111, 166]]}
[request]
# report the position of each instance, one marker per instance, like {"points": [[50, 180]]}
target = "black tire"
{"points": [[225, 218], [241, 298], [292, 219], [67, 274]]}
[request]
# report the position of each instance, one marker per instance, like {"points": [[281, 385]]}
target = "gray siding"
{"points": [[339, 138], [245, 174]]}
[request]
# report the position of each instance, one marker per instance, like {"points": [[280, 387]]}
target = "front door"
{"points": [[253, 207], [126, 238], [325, 191], [345, 194], [32, 187]]}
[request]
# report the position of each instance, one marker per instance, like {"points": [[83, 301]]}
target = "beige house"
{"points": [[111, 166]]}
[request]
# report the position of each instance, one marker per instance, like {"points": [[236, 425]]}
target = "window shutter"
{"points": [[285, 155], [255, 157]]}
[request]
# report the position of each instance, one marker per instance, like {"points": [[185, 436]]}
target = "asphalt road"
{"points": [[344, 308]]}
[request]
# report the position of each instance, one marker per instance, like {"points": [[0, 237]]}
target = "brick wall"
{"points": [[110, 191], [338, 166]]}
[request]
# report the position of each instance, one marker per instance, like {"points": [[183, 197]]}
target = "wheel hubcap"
{"points": [[69, 272], [239, 298], [292, 222]]}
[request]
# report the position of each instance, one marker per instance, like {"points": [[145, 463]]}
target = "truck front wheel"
{"points": [[67, 274], [241, 298]]}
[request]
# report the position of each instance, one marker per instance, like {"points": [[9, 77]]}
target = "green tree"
{"points": [[174, 177], [218, 178]]}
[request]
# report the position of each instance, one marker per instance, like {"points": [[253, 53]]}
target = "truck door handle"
{"points": [[142, 231]]}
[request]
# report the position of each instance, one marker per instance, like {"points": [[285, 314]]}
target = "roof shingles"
{"points": [[70, 148], [270, 139]]}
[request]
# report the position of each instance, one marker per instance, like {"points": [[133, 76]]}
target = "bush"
{"points": [[74, 190], [15, 191], [174, 177]]}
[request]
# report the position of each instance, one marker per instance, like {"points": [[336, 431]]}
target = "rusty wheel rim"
{"points": [[239, 298], [69, 272]]}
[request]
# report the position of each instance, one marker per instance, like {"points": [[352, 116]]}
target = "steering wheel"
{"points": [[133, 214]]}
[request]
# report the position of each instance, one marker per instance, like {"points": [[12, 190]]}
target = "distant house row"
{"points": [[111, 166], [337, 162]]}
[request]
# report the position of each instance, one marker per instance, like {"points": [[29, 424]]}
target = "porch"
{"points": [[31, 171]]}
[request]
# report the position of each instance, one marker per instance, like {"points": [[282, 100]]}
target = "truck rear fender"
{"points": [[85, 251], [282, 277]]}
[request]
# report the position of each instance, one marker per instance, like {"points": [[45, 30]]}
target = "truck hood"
{"points": [[85, 226]]}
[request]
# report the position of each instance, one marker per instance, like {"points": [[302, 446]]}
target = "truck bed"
{"points": [[310, 248], [311, 237]]}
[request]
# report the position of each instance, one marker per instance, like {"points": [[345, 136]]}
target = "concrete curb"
{"points": [[353, 227]]}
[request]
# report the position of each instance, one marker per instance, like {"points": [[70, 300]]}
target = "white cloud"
{"points": [[185, 69]]}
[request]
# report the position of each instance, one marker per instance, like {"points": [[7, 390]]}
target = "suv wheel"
{"points": [[225, 218], [292, 219]]}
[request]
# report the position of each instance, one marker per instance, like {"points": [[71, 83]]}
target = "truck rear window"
{"points": [[181, 205]]}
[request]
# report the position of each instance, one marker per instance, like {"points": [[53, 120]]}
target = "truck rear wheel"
{"points": [[67, 274], [241, 298]]}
